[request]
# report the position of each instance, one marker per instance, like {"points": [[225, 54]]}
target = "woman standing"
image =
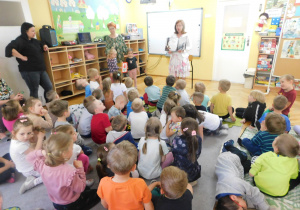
{"points": [[179, 65], [116, 41], [29, 54]]}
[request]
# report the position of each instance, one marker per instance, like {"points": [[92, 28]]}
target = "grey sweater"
{"points": [[230, 175]]}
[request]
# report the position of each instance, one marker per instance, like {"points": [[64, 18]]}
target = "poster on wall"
{"points": [[233, 41], [291, 28], [275, 8], [73, 16], [291, 49]]}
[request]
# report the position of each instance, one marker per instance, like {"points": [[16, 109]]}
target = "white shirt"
{"points": [[211, 121], [163, 134], [76, 152], [17, 153], [149, 163], [185, 98], [129, 89], [94, 85], [84, 125], [183, 37], [118, 89], [137, 124]]}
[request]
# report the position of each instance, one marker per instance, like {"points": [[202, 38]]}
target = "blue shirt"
{"points": [[264, 140], [113, 111], [205, 101], [153, 93], [287, 121], [129, 108], [88, 91]]}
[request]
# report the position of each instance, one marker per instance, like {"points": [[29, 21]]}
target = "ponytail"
{"points": [[102, 153], [152, 129], [190, 131]]}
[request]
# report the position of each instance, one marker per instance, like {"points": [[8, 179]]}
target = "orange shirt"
{"points": [[108, 101], [130, 195]]}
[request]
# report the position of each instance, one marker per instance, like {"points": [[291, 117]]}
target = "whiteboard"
{"points": [[161, 25]]}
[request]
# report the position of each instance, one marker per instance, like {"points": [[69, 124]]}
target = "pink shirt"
{"points": [[10, 124], [64, 183]]}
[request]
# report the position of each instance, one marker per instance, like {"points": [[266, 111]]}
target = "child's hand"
{"points": [[18, 97], [263, 126], [233, 119], [169, 122], [243, 121], [271, 109], [41, 135], [77, 164], [44, 153], [44, 112], [11, 164]]}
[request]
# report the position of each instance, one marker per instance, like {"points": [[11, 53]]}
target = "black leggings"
{"points": [[225, 116], [244, 161], [5, 175], [239, 112]]}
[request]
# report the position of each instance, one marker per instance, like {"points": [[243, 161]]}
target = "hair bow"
{"points": [[99, 159], [194, 133], [185, 129], [105, 148]]}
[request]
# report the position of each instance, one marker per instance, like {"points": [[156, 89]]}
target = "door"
{"points": [[234, 28]]}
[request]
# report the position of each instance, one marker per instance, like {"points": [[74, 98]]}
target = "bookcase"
{"points": [[66, 64]]}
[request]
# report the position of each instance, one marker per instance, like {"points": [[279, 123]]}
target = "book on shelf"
{"points": [[268, 46]]}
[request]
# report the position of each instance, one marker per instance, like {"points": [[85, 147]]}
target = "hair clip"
{"points": [[48, 153], [22, 116], [23, 105], [118, 74], [99, 159], [105, 148], [176, 93], [194, 133], [185, 129], [23, 120]]}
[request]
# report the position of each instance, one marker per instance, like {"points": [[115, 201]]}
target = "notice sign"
{"points": [[233, 41]]}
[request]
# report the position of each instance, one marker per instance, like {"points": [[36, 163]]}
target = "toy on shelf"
{"points": [[70, 58], [88, 55], [262, 21]]}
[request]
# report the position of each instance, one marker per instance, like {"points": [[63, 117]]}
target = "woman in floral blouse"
{"points": [[5, 95], [116, 41]]}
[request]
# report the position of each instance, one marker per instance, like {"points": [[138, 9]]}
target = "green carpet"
{"points": [[236, 123]]}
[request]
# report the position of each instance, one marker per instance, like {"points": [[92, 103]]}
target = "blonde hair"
{"points": [[168, 106], [92, 73], [106, 85], [30, 102], [181, 84], [58, 107], [174, 182], [118, 123], [224, 84], [64, 129], [287, 145], [183, 28], [258, 96], [10, 110], [275, 123], [153, 128], [198, 97], [89, 104], [51, 95], [120, 98], [55, 146], [137, 105], [280, 102], [200, 87], [133, 94], [112, 51], [128, 82], [21, 122], [288, 77], [116, 157], [97, 93]]}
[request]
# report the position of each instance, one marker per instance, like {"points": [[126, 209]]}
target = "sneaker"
{"points": [[229, 143], [223, 132], [193, 183], [11, 179], [28, 184], [223, 149], [6, 138], [239, 141], [225, 126], [89, 182]]}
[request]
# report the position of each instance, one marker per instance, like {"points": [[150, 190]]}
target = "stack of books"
{"points": [[264, 63], [267, 46]]}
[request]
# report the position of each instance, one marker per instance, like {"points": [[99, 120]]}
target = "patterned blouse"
{"points": [[5, 91], [112, 65], [119, 44]]}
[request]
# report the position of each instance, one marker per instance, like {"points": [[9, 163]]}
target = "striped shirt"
{"points": [[264, 140], [165, 92]]}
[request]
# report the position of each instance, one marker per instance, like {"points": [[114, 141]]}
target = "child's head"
{"points": [[286, 145], [174, 96], [190, 130], [119, 123], [231, 202], [148, 81], [137, 105], [52, 95], [69, 129], [93, 74], [120, 102], [170, 80], [275, 123], [173, 182], [256, 95], [224, 85], [177, 114], [153, 129], [168, 106], [200, 87], [180, 84], [33, 105], [102, 153], [59, 149], [117, 77], [133, 94], [80, 84], [128, 82], [97, 93], [130, 52], [191, 111], [59, 108], [11, 109], [93, 105], [106, 83], [23, 129], [116, 160], [287, 81], [280, 102], [198, 98], [113, 52]]}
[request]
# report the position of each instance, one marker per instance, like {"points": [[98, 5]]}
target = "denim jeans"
{"points": [[252, 148], [35, 78]]}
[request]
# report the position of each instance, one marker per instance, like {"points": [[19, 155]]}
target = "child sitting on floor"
{"points": [[176, 193], [128, 83], [173, 127], [221, 102], [118, 133], [200, 88], [95, 79], [11, 111], [81, 84], [287, 90], [108, 93], [280, 167], [132, 94], [165, 118], [51, 96], [121, 191], [170, 80], [273, 126], [101, 167], [198, 98], [116, 109], [255, 109], [117, 87], [152, 92], [180, 87]]}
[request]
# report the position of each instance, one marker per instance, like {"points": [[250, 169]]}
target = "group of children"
{"points": [[132, 143]]}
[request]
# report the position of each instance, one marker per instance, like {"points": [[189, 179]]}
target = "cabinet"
{"points": [[66, 64]]}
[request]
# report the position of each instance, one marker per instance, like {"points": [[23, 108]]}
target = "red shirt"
{"points": [[98, 124], [291, 97]]}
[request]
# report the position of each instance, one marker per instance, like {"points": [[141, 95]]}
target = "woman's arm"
{"points": [[15, 53]]}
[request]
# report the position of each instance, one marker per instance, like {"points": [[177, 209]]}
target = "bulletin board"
{"points": [[70, 17], [288, 56]]}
